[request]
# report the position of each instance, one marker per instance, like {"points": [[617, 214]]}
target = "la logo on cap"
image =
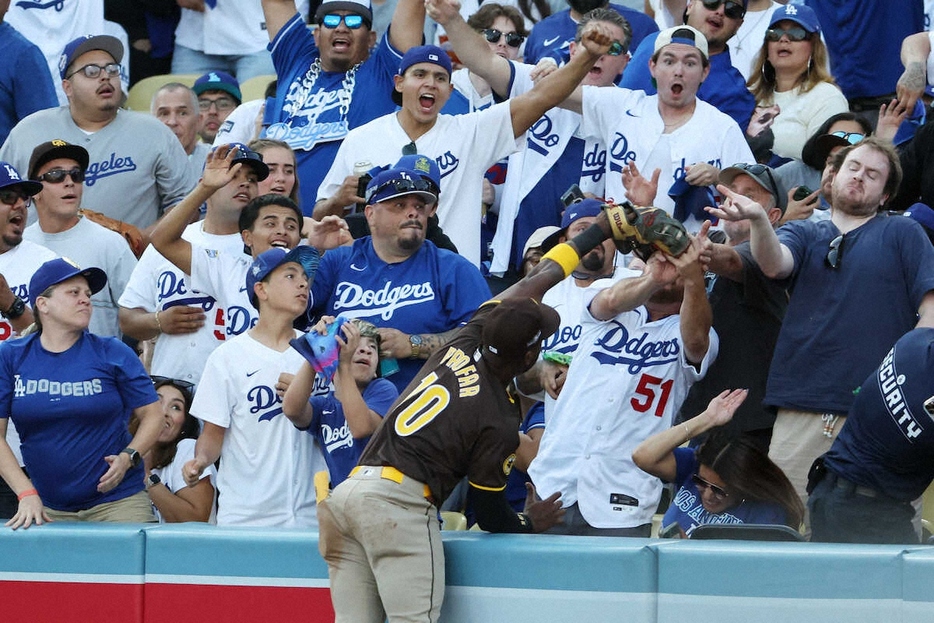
{"points": [[213, 77], [11, 172], [58, 143], [790, 9]]}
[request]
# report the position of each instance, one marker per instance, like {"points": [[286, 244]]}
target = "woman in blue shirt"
{"points": [[70, 394], [726, 480]]}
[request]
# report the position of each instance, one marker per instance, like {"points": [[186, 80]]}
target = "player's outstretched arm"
{"points": [[495, 515]]}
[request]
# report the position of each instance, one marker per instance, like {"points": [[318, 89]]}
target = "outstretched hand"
{"points": [[219, 167], [543, 513], [597, 38], [737, 207], [640, 190], [442, 11], [328, 233], [721, 408]]}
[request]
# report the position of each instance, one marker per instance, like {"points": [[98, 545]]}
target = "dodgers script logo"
{"points": [[620, 154], [542, 136], [58, 5], [114, 165], [447, 162], [383, 302], [564, 340], [264, 401], [594, 163], [311, 118], [172, 287], [336, 437], [636, 353], [240, 319]]}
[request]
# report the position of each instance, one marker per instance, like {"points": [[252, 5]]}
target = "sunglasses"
{"points": [[733, 10], [409, 150], [93, 71], [513, 39], [402, 186], [57, 176], [333, 20], [177, 383], [759, 169], [850, 137], [223, 104], [616, 49], [718, 492], [795, 33], [9, 196], [835, 252]]}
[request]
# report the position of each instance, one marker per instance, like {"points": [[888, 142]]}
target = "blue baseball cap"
{"points": [[218, 81], [427, 167], [422, 54], [587, 208], [398, 182], [272, 259], [922, 213], [62, 269], [11, 177], [250, 158], [800, 14], [79, 46]]}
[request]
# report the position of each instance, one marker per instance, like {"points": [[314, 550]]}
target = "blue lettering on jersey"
{"points": [[383, 302], [21, 389], [635, 353], [264, 401], [106, 168], [564, 340], [335, 438], [541, 136], [239, 319], [681, 171], [620, 154], [594, 163], [171, 286], [21, 290], [447, 162], [58, 5]]}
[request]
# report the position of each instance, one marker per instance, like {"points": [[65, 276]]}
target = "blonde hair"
{"points": [[762, 80]]}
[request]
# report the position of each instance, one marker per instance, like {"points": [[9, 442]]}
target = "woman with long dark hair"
{"points": [[726, 480]]}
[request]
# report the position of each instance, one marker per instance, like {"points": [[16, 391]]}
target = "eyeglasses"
{"points": [[178, 383], [718, 492], [402, 186], [850, 137], [795, 33], [9, 196], [616, 49], [757, 170], [409, 150], [333, 20], [733, 10], [57, 176], [513, 39], [223, 104], [93, 71], [835, 252]]}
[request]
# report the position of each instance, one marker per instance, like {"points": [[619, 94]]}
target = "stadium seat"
{"points": [[451, 520], [140, 96], [255, 87], [746, 532]]}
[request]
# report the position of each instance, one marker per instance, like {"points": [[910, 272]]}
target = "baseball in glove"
{"points": [[644, 230]]}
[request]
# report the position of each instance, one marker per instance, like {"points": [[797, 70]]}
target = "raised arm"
{"points": [[361, 419], [914, 54], [773, 257], [277, 13], [696, 317], [470, 46], [408, 23], [628, 294]]}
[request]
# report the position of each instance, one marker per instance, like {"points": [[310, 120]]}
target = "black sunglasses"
{"points": [[718, 492], [185, 386], [9, 196], [616, 49], [57, 176], [513, 39], [835, 253], [409, 150], [795, 33], [733, 10], [402, 186], [759, 169]]}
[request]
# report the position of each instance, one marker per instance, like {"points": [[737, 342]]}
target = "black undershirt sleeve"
{"points": [[494, 513]]}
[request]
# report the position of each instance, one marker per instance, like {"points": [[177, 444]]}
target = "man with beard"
{"points": [[860, 280], [552, 37], [648, 338], [724, 88]]}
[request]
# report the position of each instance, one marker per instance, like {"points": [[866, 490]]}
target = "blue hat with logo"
{"points": [[11, 177], [218, 81], [800, 14], [79, 46], [250, 158], [427, 167], [62, 269], [586, 208], [398, 182], [422, 54], [272, 259]]}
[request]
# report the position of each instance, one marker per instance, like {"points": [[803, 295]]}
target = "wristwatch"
{"points": [[16, 309], [134, 456], [416, 341], [153, 480]]}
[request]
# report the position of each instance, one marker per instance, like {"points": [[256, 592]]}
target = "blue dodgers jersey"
{"points": [[329, 427], [71, 410], [311, 122], [724, 89], [431, 292]]}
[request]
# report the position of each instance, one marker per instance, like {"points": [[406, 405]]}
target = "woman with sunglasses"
{"points": [[725, 480], [790, 78], [173, 501]]}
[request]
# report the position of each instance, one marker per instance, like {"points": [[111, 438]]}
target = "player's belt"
{"points": [[388, 472]]}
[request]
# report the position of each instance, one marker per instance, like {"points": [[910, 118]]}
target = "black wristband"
{"points": [[588, 239], [17, 309]]}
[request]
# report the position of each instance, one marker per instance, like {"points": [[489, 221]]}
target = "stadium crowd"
{"points": [[400, 269]]}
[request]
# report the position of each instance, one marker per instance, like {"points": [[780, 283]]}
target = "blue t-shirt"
{"points": [[515, 483], [553, 35], [688, 510], [71, 410], [724, 89], [841, 322], [431, 292], [329, 427], [25, 82], [888, 441], [311, 122]]}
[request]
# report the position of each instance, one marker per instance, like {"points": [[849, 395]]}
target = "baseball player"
{"points": [[378, 529]]}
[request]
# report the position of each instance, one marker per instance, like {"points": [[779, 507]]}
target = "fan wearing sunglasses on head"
{"points": [[843, 267], [727, 479]]}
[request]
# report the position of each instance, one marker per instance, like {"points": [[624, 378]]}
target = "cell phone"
{"points": [[671, 531], [572, 195], [801, 192]]}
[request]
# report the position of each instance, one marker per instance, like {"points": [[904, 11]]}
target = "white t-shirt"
{"points": [[802, 114], [171, 474]]}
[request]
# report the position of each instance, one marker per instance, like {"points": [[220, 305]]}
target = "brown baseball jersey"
{"points": [[455, 419]]}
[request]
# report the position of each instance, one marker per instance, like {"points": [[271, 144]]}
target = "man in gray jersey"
{"points": [[137, 167]]}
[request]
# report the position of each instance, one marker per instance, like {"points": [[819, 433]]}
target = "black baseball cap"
{"points": [[516, 325]]}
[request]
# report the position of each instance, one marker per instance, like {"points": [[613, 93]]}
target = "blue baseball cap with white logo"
{"points": [[800, 14], [397, 182], [422, 54], [272, 259], [587, 208], [62, 269], [218, 81], [11, 177]]}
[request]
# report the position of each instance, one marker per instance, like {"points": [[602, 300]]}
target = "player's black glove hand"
{"points": [[542, 514], [644, 230]]}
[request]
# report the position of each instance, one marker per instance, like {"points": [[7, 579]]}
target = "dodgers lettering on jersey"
{"points": [[114, 165], [353, 300], [890, 386], [29, 387], [172, 288], [616, 347], [620, 154], [312, 117], [447, 162], [264, 401], [336, 437]]}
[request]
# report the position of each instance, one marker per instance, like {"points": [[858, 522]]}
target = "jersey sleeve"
{"points": [[492, 458], [685, 465], [379, 396], [141, 289], [131, 379], [213, 399]]}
